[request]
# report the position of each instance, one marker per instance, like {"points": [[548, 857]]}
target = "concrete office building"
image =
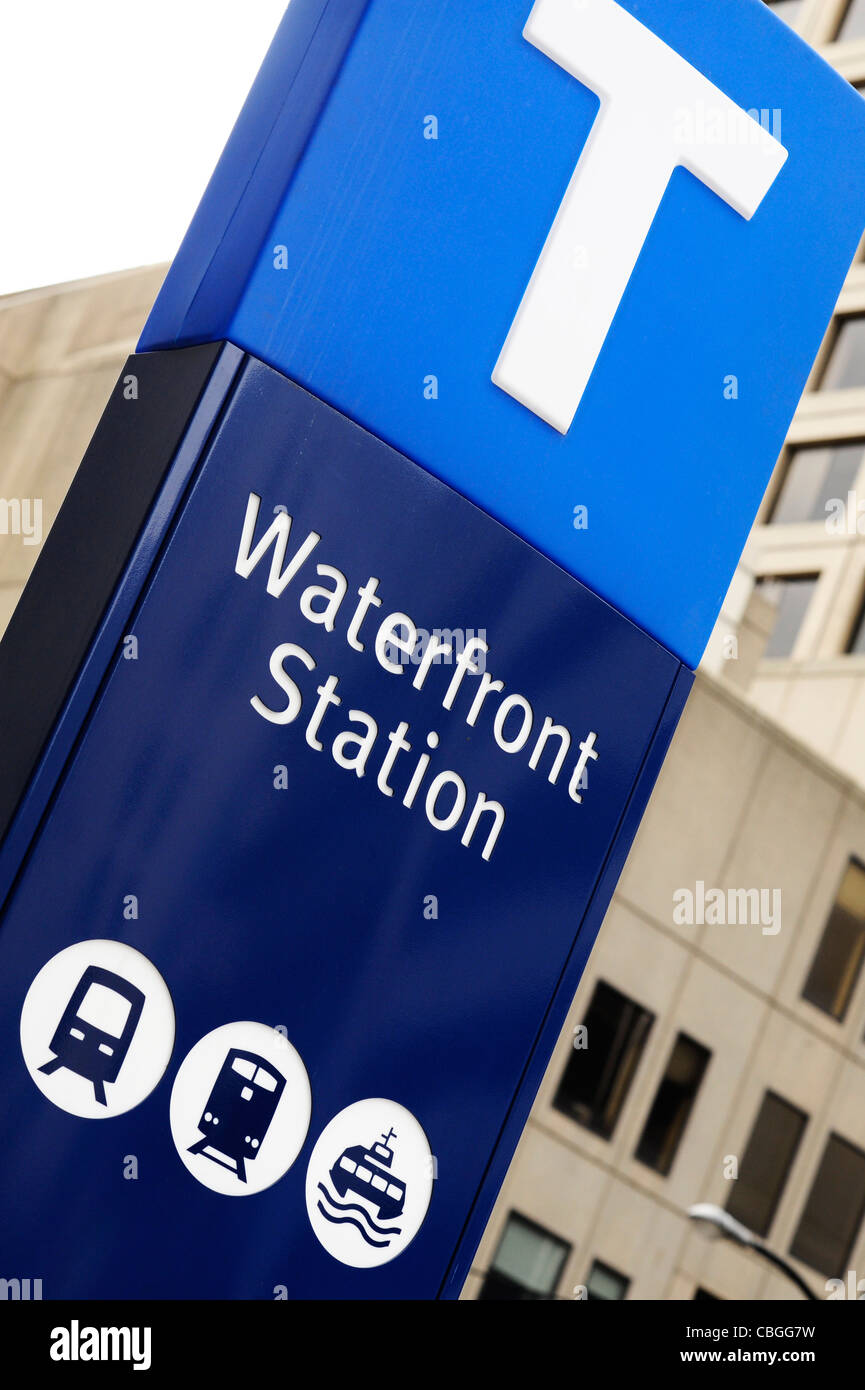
{"points": [[707, 1047], [61, 350], [721, 1046]]}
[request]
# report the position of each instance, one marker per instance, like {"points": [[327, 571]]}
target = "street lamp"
{"points": [[717, 1223]]}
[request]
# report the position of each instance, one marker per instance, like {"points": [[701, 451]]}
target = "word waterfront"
{"points": [[514, 723]]}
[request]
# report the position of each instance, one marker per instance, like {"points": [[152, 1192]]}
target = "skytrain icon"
{"points": [[238, 1111], [96, 1029]]}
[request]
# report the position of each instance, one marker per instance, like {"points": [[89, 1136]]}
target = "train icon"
{"points": [[96, 1029], [238, 1111]]}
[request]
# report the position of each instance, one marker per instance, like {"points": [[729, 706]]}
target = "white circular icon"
{"points": [[240, 1108], [97, 1029], [369, 1183]]}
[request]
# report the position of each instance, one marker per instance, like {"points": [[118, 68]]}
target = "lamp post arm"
{"points": [[787, 1269]]}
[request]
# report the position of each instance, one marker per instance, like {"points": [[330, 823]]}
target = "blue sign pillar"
{"points": [[490, 327]]}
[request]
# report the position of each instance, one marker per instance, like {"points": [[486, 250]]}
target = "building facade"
{"points": [[797, 603], [715, 1051]]}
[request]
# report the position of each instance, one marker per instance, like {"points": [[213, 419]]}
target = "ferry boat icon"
{"points": [[368, 1173]]}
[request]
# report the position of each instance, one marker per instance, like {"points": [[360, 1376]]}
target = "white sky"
{"points": [[112, 116]]}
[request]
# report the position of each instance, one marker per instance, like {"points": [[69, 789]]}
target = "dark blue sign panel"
{"points": [[332, 838]]}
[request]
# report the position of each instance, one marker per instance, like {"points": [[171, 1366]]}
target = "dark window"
{"points": [[846, 365], [856, 644], [833, 1212], [838, 961], [786, 9], [605, 1284], [853, 23], [527, 1264], [672, 1105], [595, 1083], [816, 474], [767, 1160], [789, 596]]}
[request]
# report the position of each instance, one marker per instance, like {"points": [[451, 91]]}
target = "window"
{"points": [[672, 1105], [597, 1079], [790, 596], [527, 1264], [846, 365], [856, 644], [833, 1212], [853, 23], [606, 1284], [838, 961], [105, 1009], [816, 474], [767, 1160], [786, 9]]}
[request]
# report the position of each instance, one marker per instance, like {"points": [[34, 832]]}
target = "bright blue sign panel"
{"points": [[313, 895], [576, 260]]}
